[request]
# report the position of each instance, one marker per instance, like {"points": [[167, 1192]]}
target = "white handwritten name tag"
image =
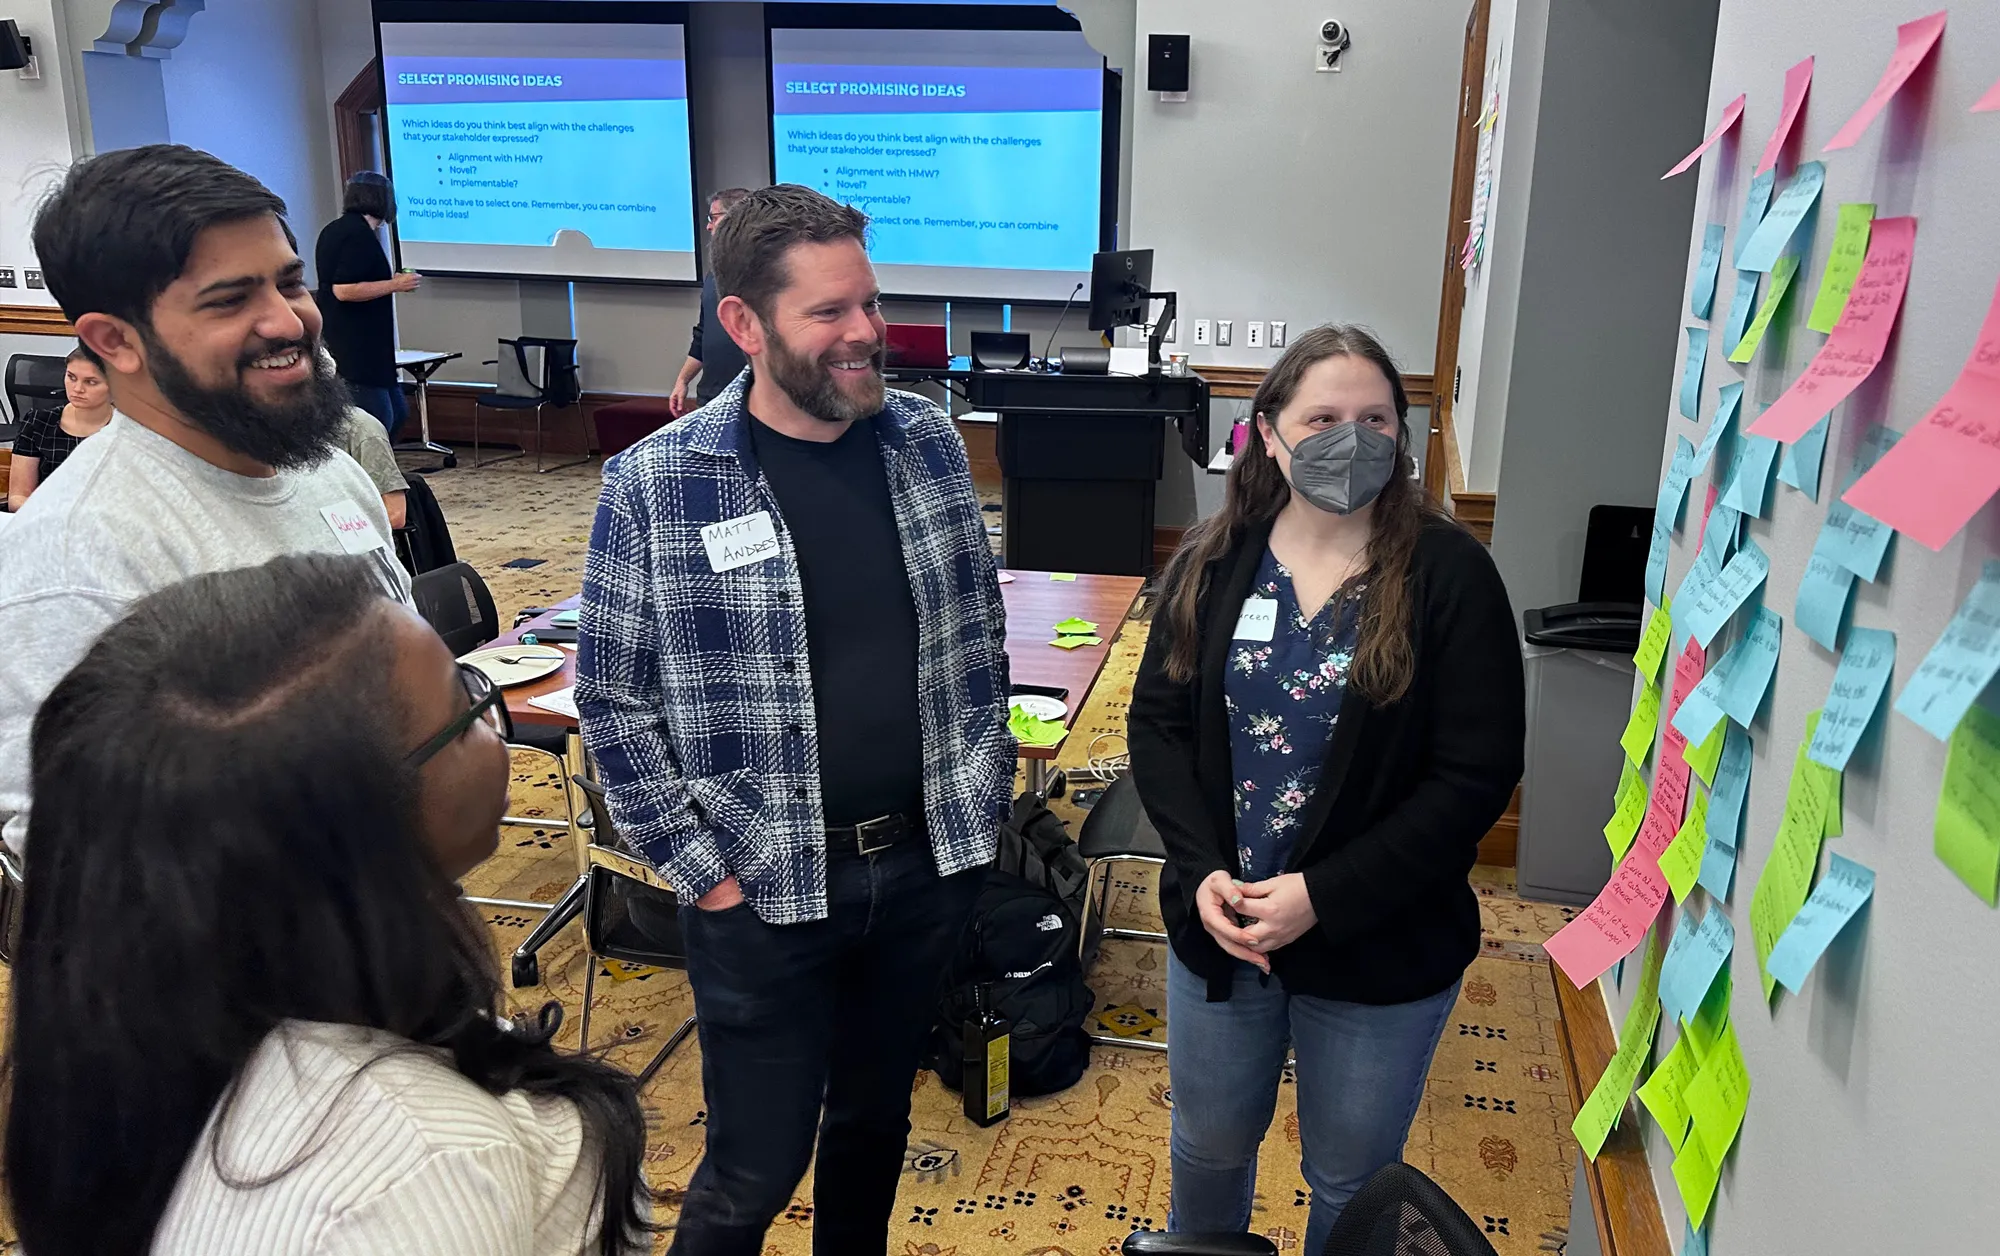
{"points": [[352, 528], [737, 543], [1259, 620]]}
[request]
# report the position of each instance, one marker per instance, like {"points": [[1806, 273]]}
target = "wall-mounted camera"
{"points": [[1334, 39]]}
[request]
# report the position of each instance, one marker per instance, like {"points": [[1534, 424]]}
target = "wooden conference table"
{"points": [[1035, 604]]}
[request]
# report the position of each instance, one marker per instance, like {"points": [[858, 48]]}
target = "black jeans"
{"points": [[817, 1028]]}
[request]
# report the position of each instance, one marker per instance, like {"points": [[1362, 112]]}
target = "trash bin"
{"points": [[1578, 660]]}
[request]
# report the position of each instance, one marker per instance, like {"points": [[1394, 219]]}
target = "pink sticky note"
{"points": [[1859, 339], [1613, 925], [1798, 80], [1914, 41], [1948, 466], [1989, 102], [1687, 674], [1730, 113]]}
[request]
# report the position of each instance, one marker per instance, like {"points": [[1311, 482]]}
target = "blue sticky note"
{"points": [[1824, 593], [1750, 484], [1755, 202], [1684, 985], [1741, 307], [1656, 564], [1699, 713], [1718, 540], [1856, 694], [1853, 539], [1720, 598], [1843, 891], [1691, 368], [1696, 1242], [1718, 868], [1704, 571], [1732, 786], [1727, 398], [1761, 251], [1801, 463], [1686, 930], [1673, 486], [1752, 662], [1960, 664], [1705, 271]]}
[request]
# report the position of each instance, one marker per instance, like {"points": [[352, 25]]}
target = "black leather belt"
{"points": [[871, 837]]}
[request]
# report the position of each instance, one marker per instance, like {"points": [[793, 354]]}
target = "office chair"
{"points": [[1115, 831], [630, 914], [532, 373], [424, 540], [34, 382], [1397, 1212]]}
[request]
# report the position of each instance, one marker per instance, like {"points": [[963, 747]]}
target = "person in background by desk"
{"points": [[1328, 717], [48, 437], [711, 353], [365, 442], [793, 675], [357, 298]]}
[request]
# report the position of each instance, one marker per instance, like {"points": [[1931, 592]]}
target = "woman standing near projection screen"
{"points": [[357, 288]]}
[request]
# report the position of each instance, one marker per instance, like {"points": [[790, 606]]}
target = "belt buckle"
{"points": [[886, 825]]}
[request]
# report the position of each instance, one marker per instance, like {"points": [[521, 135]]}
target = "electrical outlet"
{"points": [[1277, 333], [1224, 328], [1253, 335], [34, 279], [1201, 336], [7, 277]]}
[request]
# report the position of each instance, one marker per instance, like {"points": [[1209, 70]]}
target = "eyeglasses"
{"points": [[487, 703]]}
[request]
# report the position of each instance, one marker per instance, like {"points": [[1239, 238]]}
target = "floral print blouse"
{"points": [[1283, 698]]}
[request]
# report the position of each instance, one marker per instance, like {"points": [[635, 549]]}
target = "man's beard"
{"points": [[299, 431], [809, 382]]}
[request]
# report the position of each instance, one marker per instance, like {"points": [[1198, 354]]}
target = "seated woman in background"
{"points": [[251, 1012], [1327, 719], [48, 436]]}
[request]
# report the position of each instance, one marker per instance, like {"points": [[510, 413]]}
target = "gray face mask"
{"points": [[1342, 468]]}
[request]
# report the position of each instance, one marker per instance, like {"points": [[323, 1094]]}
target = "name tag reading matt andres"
{"points": [[737, 543], [1259, 620]]}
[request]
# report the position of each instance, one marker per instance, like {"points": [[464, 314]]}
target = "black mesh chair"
{"points": [[34, 382], [630, 915], [1115, 831], [532, 373], [1397, 1212]]}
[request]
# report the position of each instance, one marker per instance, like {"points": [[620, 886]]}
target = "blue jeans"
{"points": [[816, 1029], [386, 404], [1361, 1071]]}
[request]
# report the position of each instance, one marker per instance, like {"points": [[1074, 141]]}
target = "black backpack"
{"points": [[1021, 944]]}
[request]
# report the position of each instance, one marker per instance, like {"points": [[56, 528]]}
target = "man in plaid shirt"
{"points": [[792, 675]]}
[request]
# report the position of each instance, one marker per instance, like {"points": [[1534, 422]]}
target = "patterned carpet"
{"points": [[1071, 1174]]}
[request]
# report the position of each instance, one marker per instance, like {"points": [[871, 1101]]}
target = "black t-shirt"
{"points": [[861, 621], [361, 335]]}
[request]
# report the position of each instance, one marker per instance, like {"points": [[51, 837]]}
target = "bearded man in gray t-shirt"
{"points": [[180, 274]]}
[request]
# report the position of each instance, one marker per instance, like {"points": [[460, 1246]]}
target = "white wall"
{"points": [[1872, 1120], [37, 140]]}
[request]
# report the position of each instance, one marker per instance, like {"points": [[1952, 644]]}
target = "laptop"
{"points": [[917, 345]]}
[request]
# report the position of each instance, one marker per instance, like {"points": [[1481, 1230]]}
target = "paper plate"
{"points": [[1039, 705], [516, 664]]}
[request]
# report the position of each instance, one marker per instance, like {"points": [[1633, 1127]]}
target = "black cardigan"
{"points": [[1407, 791]]}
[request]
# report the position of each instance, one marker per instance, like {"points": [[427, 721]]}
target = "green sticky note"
{"points": [[1829, 785], [1031, 730], [1843, 265], [1607, 1099], [1781, 283], [1645, 1014], [1704, 758], [1719, 1095], [1653, 643], [1071, 643], [1696, 1175], [1702, 1030], [1968, 810], [1074, 627], [1629, 808], [1680, 862], [1786, 881], [1062, 575], [1663, 1092], [1643, 724]]}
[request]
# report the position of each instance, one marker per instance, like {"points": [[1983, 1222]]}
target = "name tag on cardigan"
{"points": [[1259, 620], [737, 543]]}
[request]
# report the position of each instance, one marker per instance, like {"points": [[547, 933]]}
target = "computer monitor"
{"points": [[1120, 283]]}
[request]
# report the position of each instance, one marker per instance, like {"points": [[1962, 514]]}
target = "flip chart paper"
{"points": [[1935, 479], [1794, 202], [1720, 1095], [1961, 663], [1653, 642], [1841, 892], [1680, 862], [1608, 930], [1850, 536], [1702, 300], [1732, 786], [1730, 113], [1781, 283], [1628, 808], [1750, 484], [1798, 80], [1704, 758], [1914, 41], [1755, 201], [1843, 263], [1691, 367], [1641, 725], [1741, 307], [1857, 691], [1720, 598], [1672, 500], [1662, 1093], [1685, 984], [1727, 398], [1967, 836], [1822, 602], [1803, 458], [1858, 341], [1697, 1177]]}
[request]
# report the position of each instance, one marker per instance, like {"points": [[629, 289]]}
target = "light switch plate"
{"points": [[7, 277], [1224, 329], [1277, 333], [34, 279]]}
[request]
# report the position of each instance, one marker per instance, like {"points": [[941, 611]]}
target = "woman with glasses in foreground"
{"points": [[250, 1011]]}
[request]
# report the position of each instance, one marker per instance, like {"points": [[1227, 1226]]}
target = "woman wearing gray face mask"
{"points": [[1328, 718]]}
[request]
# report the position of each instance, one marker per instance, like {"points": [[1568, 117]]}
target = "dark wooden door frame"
{"points": [[1451, 302], [355, 110]]}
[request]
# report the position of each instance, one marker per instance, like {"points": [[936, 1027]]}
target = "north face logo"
{"points": [[1050, 923]]}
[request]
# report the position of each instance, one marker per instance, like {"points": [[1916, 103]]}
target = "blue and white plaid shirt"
{"points": [[694, 685]]}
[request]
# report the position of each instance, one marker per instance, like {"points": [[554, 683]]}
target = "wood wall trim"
{"points": [[1475, 511], [1498, 848], [1620, 1181], [1242, 381], [34, 320], [353, 114]]}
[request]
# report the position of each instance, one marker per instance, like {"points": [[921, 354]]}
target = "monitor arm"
{"points": [[1160, 327]]}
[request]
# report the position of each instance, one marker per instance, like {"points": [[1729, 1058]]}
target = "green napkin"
{"points": [[1072, 642], [1032, 730], [1062, 575], [1073, 626]]}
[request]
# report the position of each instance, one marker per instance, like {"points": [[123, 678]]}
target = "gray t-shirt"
{"points": [[132, 513], [367, 442]]}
